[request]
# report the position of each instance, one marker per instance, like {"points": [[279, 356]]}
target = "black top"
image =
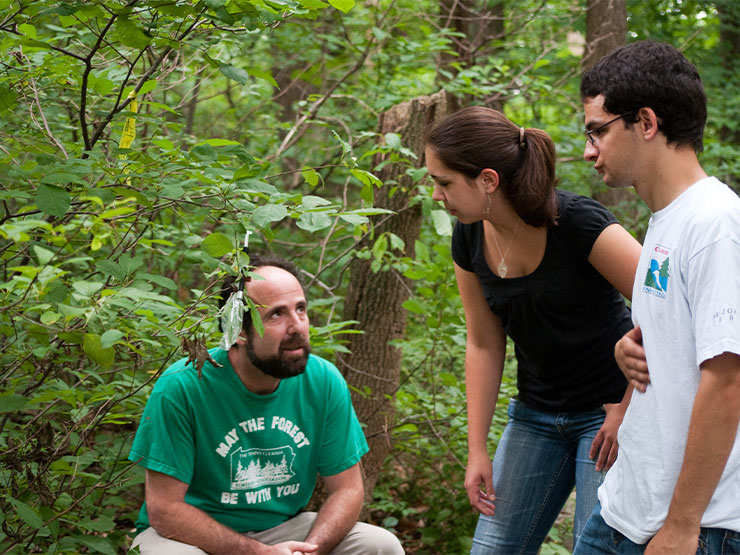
{"points": [[564, 317]]}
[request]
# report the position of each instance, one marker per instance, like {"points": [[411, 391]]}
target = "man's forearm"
{"points": [[335, 519], [188, 524]]}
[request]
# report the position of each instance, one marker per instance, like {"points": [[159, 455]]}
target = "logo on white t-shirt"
{"points": [[658, 272], [252, 468]]}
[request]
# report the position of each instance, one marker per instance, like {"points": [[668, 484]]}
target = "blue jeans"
{"points": [[539, 459], [599, 537]]}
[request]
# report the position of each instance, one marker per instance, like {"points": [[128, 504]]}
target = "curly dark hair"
{"points": [[654, 75]]}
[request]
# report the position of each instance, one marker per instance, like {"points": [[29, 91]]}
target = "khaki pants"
{"points": [[363, 539]]}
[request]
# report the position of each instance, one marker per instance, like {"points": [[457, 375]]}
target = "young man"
{"points": [[231, 457], [676, 481]]}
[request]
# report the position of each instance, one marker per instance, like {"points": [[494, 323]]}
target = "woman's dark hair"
{"points": [[654, 75], [477, 138], [231, 283]]}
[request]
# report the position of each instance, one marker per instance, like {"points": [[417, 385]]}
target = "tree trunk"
{"points": [[375, 299], [606, 29], [477, 22], [729, 38]]}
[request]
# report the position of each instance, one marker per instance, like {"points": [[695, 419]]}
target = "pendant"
{"points": [[502, 268]]}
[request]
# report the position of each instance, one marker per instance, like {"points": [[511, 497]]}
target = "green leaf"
{"points": [[52, 200], [8, 99], [49, 317], [87, 288], [93, 347], [102, 524], [164, 281], [28, 30], [413, 305], [309, 202], [111, 268], [442, 222], [268, 213], [396, 242], [130, 264], [43, 255], [366, 177], [393, 140], [27, 514], [313, 221], [256, 186], [354, 219], [343, 5], [148, 86], [311, 176], [98, 544], [380, 247], [10, 402], [265, 76], [234, 73], [346, 148], [217, 245], [205, 153], [259, 326], [219, 142], [110, 337], [130, 34]]}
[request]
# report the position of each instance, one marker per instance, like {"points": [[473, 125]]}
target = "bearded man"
{"points": [[232, 455]]}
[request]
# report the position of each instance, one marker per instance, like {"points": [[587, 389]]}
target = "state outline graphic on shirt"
{"points": [[658, 272], [255, 467]]}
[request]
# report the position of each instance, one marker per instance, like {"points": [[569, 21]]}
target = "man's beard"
{"points": [[279, 366]]}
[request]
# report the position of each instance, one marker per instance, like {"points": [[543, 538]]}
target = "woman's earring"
{"points": [[488, 204]]}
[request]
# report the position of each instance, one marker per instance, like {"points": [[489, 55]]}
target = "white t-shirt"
{"points": [[686, 298]]}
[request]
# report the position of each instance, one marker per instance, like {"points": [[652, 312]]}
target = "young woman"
{"points": [[547, 268]]}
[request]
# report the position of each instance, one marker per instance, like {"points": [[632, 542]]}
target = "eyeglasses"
{"points": [[589, 132]]}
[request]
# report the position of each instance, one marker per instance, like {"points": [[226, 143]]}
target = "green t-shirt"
{"points": [[250, 460]]}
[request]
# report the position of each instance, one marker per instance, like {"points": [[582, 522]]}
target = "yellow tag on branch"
{"points": [[129, 128]]}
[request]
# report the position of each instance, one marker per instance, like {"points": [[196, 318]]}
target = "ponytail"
{"points": [[477, 138], [531, 187]]}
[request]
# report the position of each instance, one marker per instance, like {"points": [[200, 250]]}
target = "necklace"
{"points": [[502, 267]]}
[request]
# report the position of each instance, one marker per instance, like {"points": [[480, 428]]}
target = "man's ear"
{"points": [[242, 339], [488, 178], [648, 123]]}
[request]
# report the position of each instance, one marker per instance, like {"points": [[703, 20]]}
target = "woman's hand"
{"points": [[605, 443], [479, 483]]}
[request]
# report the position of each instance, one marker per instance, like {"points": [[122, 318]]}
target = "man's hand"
{"points": [[674, 542], [605, 443], [294, 548], [630, 356], [477, 474], [340, 510]]}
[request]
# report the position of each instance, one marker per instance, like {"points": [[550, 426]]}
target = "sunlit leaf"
{"points": [[268, 213], [93, 347], [343, 5], [313, 221], [217, 245]]}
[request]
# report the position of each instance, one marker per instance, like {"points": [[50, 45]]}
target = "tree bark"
{"points": [[477, 22], [375, 299], [729, 38], [606, 28]]}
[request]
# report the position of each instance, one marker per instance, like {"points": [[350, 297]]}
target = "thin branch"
{"points": [[289, 139]]}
